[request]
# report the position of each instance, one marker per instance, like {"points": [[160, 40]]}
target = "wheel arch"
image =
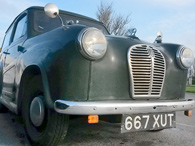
{"points": [[30, 72]]}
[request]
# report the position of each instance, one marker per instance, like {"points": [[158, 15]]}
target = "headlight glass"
{"points": [[185, 57], [93, 43]]}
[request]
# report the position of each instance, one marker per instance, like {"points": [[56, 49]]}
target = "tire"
{"points": [[54, 126], [3, 109]]}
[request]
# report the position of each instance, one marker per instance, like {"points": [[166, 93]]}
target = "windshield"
{"points": [[43, 23]]}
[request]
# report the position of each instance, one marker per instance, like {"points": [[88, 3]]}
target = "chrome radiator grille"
{"points": [[147, 71]]}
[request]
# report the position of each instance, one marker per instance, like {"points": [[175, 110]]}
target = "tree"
{"points": [[115, 23]]}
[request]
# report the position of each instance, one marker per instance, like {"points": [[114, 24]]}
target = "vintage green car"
{"points": [[54, 65]]}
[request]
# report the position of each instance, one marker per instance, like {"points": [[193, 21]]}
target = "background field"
{"points": [[190, 89]]}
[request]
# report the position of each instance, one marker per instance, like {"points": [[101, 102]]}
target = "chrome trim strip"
{"points": [[152, 71], [121, 107]]}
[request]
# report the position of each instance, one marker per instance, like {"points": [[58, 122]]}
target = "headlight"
{"points": [[93, 43], [185, 57]]}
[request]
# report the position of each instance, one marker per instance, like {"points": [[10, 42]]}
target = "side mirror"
{"points": [[51, 10], [159, 37]]}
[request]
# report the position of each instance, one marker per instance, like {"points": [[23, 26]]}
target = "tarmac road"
{"points": [[104, 134]]}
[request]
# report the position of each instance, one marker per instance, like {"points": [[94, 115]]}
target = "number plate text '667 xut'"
{"points": [[142, 122]]}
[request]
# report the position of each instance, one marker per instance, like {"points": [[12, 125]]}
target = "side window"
{"points": [[7, 38], [20, 28]]}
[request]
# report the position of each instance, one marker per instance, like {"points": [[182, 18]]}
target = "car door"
{"points": [[3, 53], [11, 55]]}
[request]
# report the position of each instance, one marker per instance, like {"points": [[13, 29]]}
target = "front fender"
{"points": [[63, 69]]}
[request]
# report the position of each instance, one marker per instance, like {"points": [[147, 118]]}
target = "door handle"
{"points": [[7, 53]]}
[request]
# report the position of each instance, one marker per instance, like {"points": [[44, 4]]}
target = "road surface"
{"points": [[104, 134]]}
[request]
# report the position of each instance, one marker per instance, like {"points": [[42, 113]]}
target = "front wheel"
{"points": [[3, 109], [44, 127]]}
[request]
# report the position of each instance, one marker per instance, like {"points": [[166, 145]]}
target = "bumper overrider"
{"points": [[121, 107]]}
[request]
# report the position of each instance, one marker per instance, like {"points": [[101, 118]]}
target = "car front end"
{"points": [[69, 64], [131, 77], [90, 72]]}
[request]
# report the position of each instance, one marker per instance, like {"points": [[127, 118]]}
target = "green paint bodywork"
{"points": [[68, 75]]}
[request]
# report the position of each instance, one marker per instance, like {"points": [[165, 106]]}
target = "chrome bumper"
{"points": [[121, 107]]}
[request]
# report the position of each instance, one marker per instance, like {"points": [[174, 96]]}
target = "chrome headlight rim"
{"points": [[179, 59], [82, 49]]}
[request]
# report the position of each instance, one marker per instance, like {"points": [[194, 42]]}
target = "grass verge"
{"points": [[190, 89]]}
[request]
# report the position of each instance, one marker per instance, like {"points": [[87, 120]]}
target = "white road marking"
{"points": [[186, 125]]}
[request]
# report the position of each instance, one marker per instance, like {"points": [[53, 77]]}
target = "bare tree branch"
{"points": [[116, 24]]}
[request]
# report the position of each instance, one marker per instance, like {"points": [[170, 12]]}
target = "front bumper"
{"points": [[121, 107]]}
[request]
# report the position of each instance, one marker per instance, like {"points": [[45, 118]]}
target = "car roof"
{"points": [[61, 11], [64, 12]]}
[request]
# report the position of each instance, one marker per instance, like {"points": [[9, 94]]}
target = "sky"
{"points": [[174, 18]]}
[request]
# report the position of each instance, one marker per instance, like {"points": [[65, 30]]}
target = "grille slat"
{"points": [[141, 65], [158, 73], [141, 76], [142, 86], [140, 62], [140, 59], [143, 53], [147, 68], [158, 66], [141, 73], [141, 93], [133, 56], [159, 61]]}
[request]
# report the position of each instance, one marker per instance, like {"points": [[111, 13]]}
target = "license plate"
{"points": [[141, 122]]}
